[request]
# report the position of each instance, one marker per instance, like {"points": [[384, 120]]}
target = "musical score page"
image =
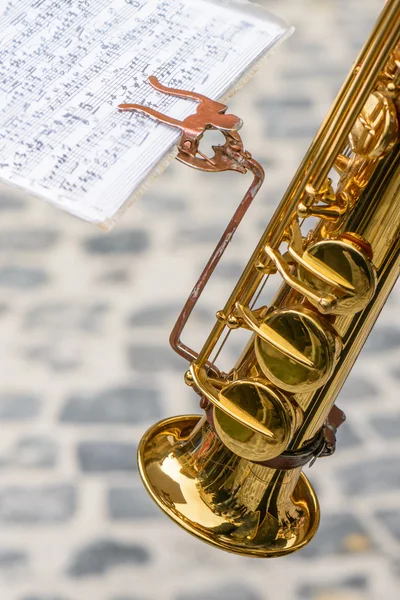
{"points": [[65, 65]]}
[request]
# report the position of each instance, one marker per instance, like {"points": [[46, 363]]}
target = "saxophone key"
{"points": [[312, 338]]}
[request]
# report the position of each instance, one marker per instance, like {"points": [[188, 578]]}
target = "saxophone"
{"points": [[233, 477]]}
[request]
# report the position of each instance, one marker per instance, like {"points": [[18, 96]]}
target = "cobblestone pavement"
{"points": [[86, 368]]}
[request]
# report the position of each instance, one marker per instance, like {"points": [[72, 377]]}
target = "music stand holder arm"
{"points": [[230, 156]]}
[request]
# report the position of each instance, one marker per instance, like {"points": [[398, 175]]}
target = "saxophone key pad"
{"points": [[265, 404], [311, 337], [339, 266]]}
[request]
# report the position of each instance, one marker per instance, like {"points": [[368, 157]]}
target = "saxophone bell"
{"points": [[221, 498]]}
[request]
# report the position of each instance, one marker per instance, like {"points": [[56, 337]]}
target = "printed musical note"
{"points": [[65, 67]]}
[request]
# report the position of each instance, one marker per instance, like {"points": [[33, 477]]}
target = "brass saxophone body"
{"points": [[234, 476]]}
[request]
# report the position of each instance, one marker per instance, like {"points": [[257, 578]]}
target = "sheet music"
{"points": [[65, 65]]}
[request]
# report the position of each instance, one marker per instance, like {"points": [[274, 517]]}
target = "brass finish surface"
{"points": [[312, 337], [234, 479], [272, 337], [268, 407], [346, 269], [227, 403], [225, 500]]}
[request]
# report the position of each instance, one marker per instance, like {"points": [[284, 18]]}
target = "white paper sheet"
{"points": [[65, 65]]}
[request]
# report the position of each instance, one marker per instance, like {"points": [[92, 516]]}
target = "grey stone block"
{"points": [[347, 437], [229, 270], [315, 592], [28, 239], [131, 502], [166, 314], [54, 357], [395, 569], [382, 338], [100, 556], [391, 520], [387, 425], [12, 558], [123, 241], [117, 405], [31, 452], [231, 591], [11, 203], [357, 388], [41, 597], [18, 407], [284, 103], [62, 316], [302, 128], [332, 536], [367, 477], [300, 44], [163, 203], [103, 456], [147, 359], [333, 74], [203, 234], [37, 504], [129, 598], [22, 277], [115, 276]]}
